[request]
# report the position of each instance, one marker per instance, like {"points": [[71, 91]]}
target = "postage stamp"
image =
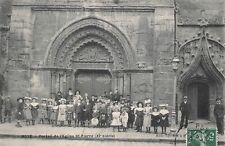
{"points": [[201, 137]]}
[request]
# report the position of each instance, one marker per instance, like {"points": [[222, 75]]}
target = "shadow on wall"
{"points": [[37, 88]]}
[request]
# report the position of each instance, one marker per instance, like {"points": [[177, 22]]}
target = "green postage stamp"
{"points": [[201, 137]]}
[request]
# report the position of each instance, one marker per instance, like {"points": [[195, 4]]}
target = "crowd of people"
{"points": [[111, 110], [74, 110]]}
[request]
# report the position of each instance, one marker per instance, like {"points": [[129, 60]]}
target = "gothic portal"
{"points": [[91, 51], [201, 75]]}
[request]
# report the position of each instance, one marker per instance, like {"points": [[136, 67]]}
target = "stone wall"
{"points": [[148, 26]]}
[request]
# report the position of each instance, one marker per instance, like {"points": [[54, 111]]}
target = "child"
{"points": [[88, 112], [69, 114], [139, 111], [43, 110], [95, 115], [77, 113], [54, 114], [82, 117], [49, 109], [19, 117], [147, 116], [34, 109], [27, 110], [8, 109], [131, 116], [155, 119], [62, 111], [103, 112], [164, 114], [124, 119], [116, 119], [109, 113]]}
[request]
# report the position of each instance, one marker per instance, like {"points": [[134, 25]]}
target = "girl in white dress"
{"points": [[116, 119], [147, 116], [62, 111], [124, 119]]}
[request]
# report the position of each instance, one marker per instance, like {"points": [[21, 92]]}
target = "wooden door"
{"points": [[203, 101], [192, 98], [93, 82], [198, 96]]}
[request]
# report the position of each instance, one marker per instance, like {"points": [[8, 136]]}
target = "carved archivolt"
{"points": [[205, 53], [84, 33]]}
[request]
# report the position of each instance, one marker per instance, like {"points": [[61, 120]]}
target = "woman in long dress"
{"points": [[139, 111], [147, 116]]}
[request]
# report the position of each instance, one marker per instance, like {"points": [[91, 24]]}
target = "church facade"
{"points": [[97, 46]]}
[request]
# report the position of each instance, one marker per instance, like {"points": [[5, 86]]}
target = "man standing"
{"points": [[185, 111], [219, 115]]}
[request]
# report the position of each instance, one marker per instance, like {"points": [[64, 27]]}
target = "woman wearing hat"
{"points": [[19, 112], [27, 110], [139, 111], [62, 111], [34, 109], [147, 116], [155, 118]]}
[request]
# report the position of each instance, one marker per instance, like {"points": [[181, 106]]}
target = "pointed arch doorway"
{"points": [[201, 75]]}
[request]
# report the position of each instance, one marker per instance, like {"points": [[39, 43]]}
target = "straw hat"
{"points": [[21, 99], [35, 98], [27, 98], [43, 99], [62, 99], [163, 105], [148, 101]]}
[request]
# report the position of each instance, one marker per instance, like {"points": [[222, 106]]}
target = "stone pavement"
{"points": [[40, 131]]}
